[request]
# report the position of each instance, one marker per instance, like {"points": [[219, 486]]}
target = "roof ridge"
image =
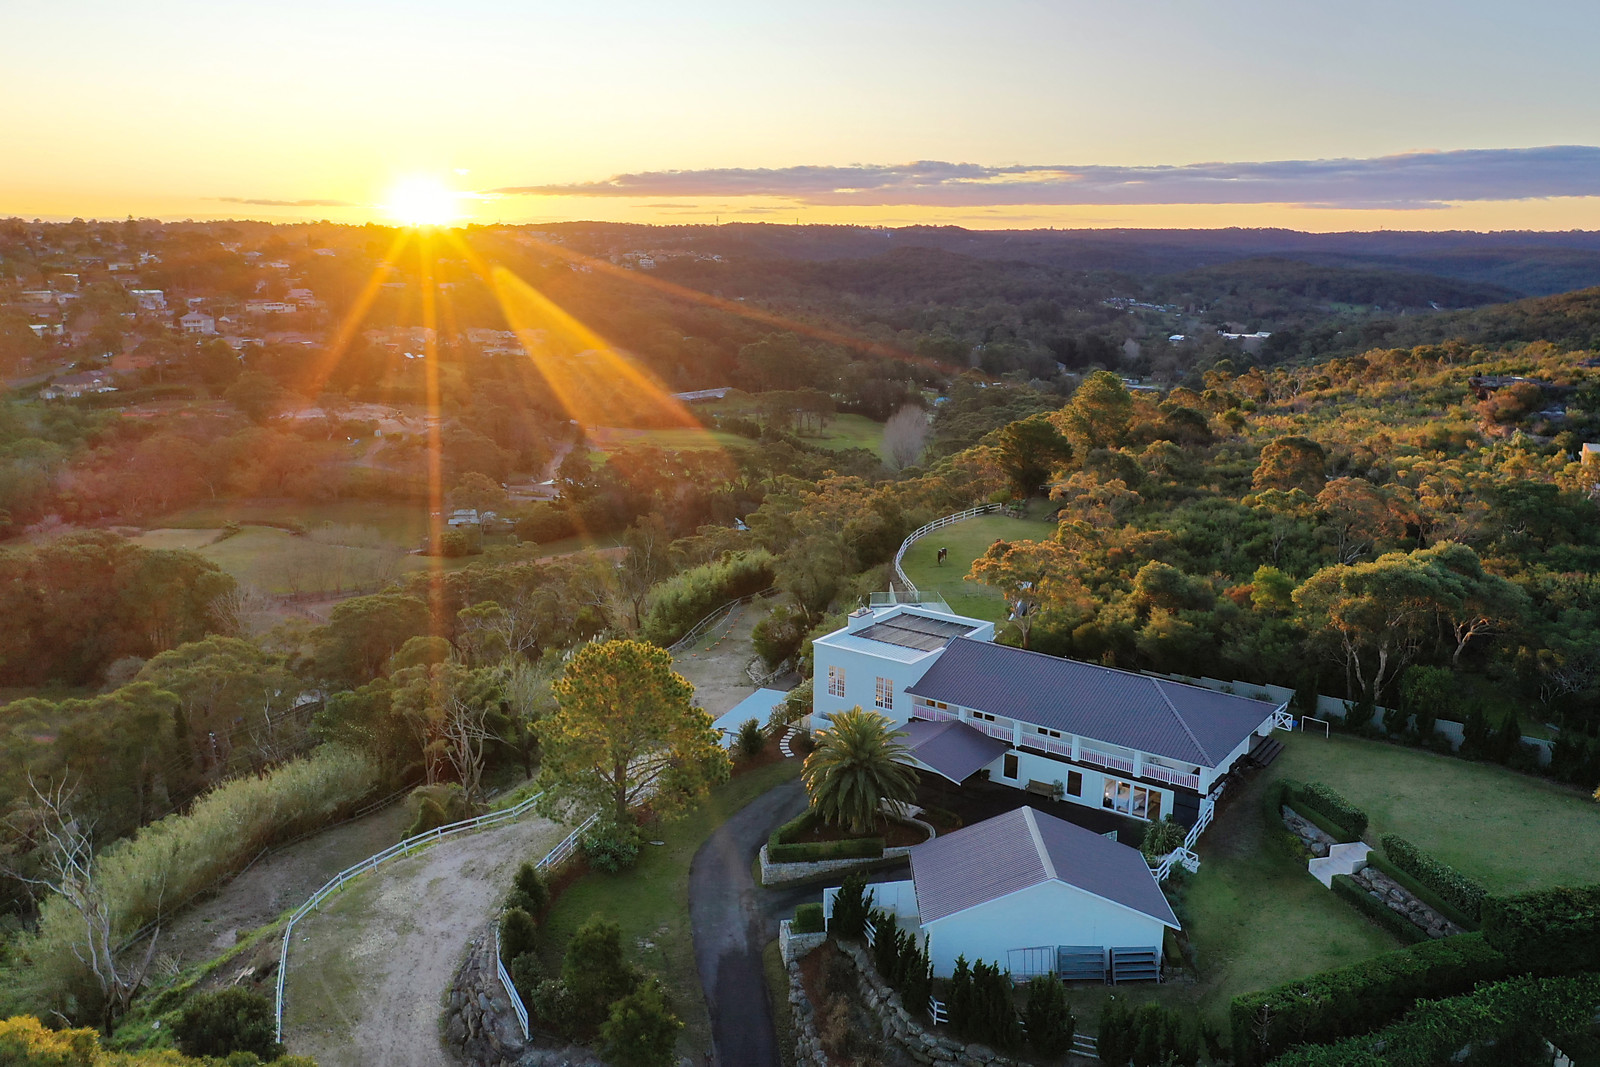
{"points": [[1176, 714], [1038, 844]]}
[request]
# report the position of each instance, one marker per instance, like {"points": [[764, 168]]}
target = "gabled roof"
{"points": [[952, 748], [1024, 848], [1181, 722]]}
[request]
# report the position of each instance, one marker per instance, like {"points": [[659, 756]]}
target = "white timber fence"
{"points": [[1185, 853], [698, 630], [408, 847], [920, 533], [554, 858]]}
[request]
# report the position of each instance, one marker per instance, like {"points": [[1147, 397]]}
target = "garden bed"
{"points": [[893, 832]]}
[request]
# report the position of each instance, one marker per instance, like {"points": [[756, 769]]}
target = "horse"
{"points": [[943, 552]]}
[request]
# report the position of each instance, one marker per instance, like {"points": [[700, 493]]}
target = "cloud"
{"points": [[282, 203], [1413, 180]]}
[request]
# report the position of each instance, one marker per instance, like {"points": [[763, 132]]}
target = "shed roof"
{"points": [[1171, 719], [1022, 849]]}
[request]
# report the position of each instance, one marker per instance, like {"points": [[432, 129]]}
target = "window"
{"points": [[984, 715], [1010, 769], [1074, 783], [836, 681], [884, 694], [1131, 799], [1046, 733]]}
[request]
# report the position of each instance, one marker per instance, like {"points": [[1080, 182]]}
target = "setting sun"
{"points": [[422, 200]]}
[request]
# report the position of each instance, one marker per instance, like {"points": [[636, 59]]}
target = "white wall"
{"points": [[861, 672], [1043, 769], [1052, 913]]}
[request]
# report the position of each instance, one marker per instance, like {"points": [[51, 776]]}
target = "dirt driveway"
{"points": [[369, 972], [278, 882], [715, 665]]}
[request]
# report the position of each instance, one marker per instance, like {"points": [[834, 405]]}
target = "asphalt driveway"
{"points": [[733, 919]]}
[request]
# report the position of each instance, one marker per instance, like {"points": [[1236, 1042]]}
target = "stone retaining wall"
{"points": [[791, 946], [479, 1025], [781, 873]]}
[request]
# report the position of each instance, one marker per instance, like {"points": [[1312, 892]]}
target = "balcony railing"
{"points": [[1166, 774], [1105, 759], [993, 729]]}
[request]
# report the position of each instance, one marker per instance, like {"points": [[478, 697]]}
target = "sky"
{"points": [[1310, 114]]}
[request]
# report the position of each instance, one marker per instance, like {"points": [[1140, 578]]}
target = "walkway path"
{"points": [[368, 973], [733, 920]]}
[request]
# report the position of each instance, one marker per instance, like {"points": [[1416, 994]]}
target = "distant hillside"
{"points": [[1290, 281], [1569, 320]]}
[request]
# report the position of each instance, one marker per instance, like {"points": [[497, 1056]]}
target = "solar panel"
{"points": [[915, 631]]}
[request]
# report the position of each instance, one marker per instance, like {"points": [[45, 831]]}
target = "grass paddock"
{"points": [[967, 541]]}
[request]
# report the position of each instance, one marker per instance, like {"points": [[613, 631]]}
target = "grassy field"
{"points": [[651, 902], [679, 439], [966, 542], [403, 524], [277, 562], [848, 431], [1510, 831]]}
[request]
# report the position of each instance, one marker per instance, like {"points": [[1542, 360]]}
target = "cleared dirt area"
{"points": [[369, 972], [277, 883], [715, 665]]}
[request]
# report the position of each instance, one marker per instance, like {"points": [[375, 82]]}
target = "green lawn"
{"points": [[403, 524], [677, 438], [848, 431], [1510, 831], [277, 562], [967, 541], [1255, 918], [651, 902]]}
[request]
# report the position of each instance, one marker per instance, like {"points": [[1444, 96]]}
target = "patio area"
{"points": [[976, 800]]}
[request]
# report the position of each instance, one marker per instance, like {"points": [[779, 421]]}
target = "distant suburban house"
{"points": [[268, 307], [76, 385], [149, 299], [1036, 895], [199, 323], [1135, 744], [696, 396], [48, 329], [1590, 452]]}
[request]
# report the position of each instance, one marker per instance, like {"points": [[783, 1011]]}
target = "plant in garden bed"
{"points": [[854, 770]]}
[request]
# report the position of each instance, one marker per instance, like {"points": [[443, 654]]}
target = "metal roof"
{"points": [[1024, 848], [1181, 722], [952, 748]]}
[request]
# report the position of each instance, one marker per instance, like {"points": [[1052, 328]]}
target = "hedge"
{"points": [[1435, 1031], [689, 596], [1461, 892], [1339, 834], [1278, 836], [1355, 999], [808, 919], [1546, 930], [1421, 892], [856, 848], [1376, 910], [1349, 818]]}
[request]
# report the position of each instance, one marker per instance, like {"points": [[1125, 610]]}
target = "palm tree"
{"points": [[853, 770]]}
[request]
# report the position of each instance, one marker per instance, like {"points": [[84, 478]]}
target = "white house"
{"points": [[149, 299], [199, 323], [757, 706], [1035, 895], [1131, 743]]}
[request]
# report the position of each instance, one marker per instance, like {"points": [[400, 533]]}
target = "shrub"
{"points": [[1326, 802], [915, 977], [1048, 1019], [171, 860], [527, 971], [1423, 893], [545, 522], [519, 934], [1433, 1032], [752, 739], [778, 636], [528, 891], [689, 596], [228, 1021], [1161, 838], [610, 847], [1355, 999], [851, 908], [434, 806], [885, 944], [1376, 910], [554, 1005], [960, 994], [1115, 1042], [594, 972], [1278, 836], [1456, 888], [811, 851], [808, 919], [1546, 930], [993, 1020], [1160, 1038], [641, 1029]]}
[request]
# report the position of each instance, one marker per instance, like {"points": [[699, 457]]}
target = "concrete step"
{"points": [[1341, 859]]}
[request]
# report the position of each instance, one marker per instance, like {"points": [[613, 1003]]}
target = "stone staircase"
{"points": [[1341, 859]]}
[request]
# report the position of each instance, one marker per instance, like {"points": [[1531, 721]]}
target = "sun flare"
{"points": [[422, 200]]}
